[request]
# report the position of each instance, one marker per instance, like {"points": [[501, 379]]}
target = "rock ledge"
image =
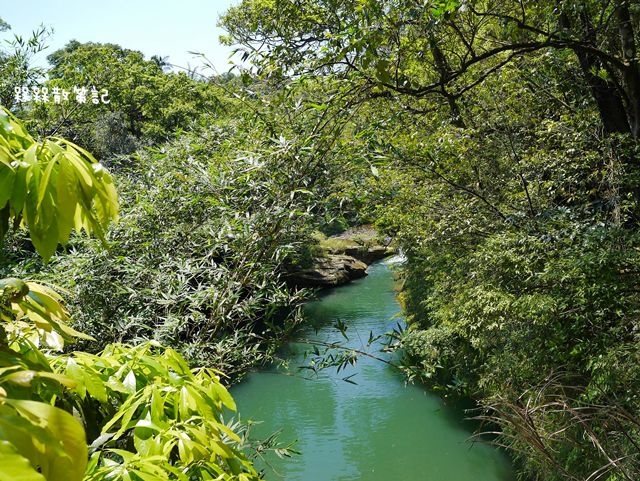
{"points": [[345, 258], [330, 271]]}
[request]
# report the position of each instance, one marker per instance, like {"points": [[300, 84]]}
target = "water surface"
{"points": [[377, 430]]}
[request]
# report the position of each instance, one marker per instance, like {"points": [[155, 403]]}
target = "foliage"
{"points": [[51, 187], [497, 141], [37, 179], [148, 414], [502, 142], [198, 260], [16, 72], [517, 270], [550, 422], [443, 48], [145, 104]]}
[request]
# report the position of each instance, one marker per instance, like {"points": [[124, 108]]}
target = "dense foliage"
{"points": [[127, 101], [497, 141], [144, 412], [197, 258], [503, 141]]}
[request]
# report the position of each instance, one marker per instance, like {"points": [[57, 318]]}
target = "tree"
{"points": [[15, 69], [446, 48], [417, 53], [138, 103], [504, 141]]}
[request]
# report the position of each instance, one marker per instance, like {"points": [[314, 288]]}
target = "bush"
{"points": [[196, 259]]}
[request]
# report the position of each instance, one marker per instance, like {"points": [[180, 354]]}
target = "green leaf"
{"points": [[319, 107], [7, 178], [149, 476], [24, 378], [44, 228], [20, 189], [224, 396], [67, 200], [44, 183], [69, 433], [14, 467], [382, 71], [129, 382], [29, 155], [95, 385]]}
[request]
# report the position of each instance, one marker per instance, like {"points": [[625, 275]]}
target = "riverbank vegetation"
{"points": [[502, 138], [495, 142]]}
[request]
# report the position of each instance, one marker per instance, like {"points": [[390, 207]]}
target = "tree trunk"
{"points": [[631, 72], [445, 71], [606, 95], [605, 91]]}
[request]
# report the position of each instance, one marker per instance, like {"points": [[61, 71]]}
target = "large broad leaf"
{"points": [[19, 192], [7, 177], [67, 200], [31, 440], [68, 461], [14, 467]]}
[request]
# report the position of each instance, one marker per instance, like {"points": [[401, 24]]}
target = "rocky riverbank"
{"points": [[342, 258]]}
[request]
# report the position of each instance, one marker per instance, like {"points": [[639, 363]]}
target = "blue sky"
{"points": [[165, 28]]}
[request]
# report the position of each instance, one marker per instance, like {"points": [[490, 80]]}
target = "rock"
{"points": [[368, 255], [344, 257], [361, 242], [330, 271]]}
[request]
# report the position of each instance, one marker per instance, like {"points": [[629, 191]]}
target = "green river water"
{"points": [[377, 430]]}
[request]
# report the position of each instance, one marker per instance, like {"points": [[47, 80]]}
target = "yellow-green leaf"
{"points": [[14, 467], [67, 430]]}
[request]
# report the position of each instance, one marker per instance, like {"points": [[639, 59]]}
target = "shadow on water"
{"points": [[379, 429]]}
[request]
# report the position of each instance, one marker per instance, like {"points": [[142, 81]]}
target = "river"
{"points": [[376, 430]]}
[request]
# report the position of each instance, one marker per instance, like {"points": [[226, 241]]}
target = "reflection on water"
{"points": [[377, 430]]}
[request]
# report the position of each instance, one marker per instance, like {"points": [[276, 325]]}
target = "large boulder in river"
{"points": [[368, 255], [329, 271], [342, 258], [361, 242]]}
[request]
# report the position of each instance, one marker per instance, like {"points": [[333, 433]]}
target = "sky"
{"points": [[161, 27]]}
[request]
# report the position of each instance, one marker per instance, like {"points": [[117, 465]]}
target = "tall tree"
{"points": [[439, 51]]}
